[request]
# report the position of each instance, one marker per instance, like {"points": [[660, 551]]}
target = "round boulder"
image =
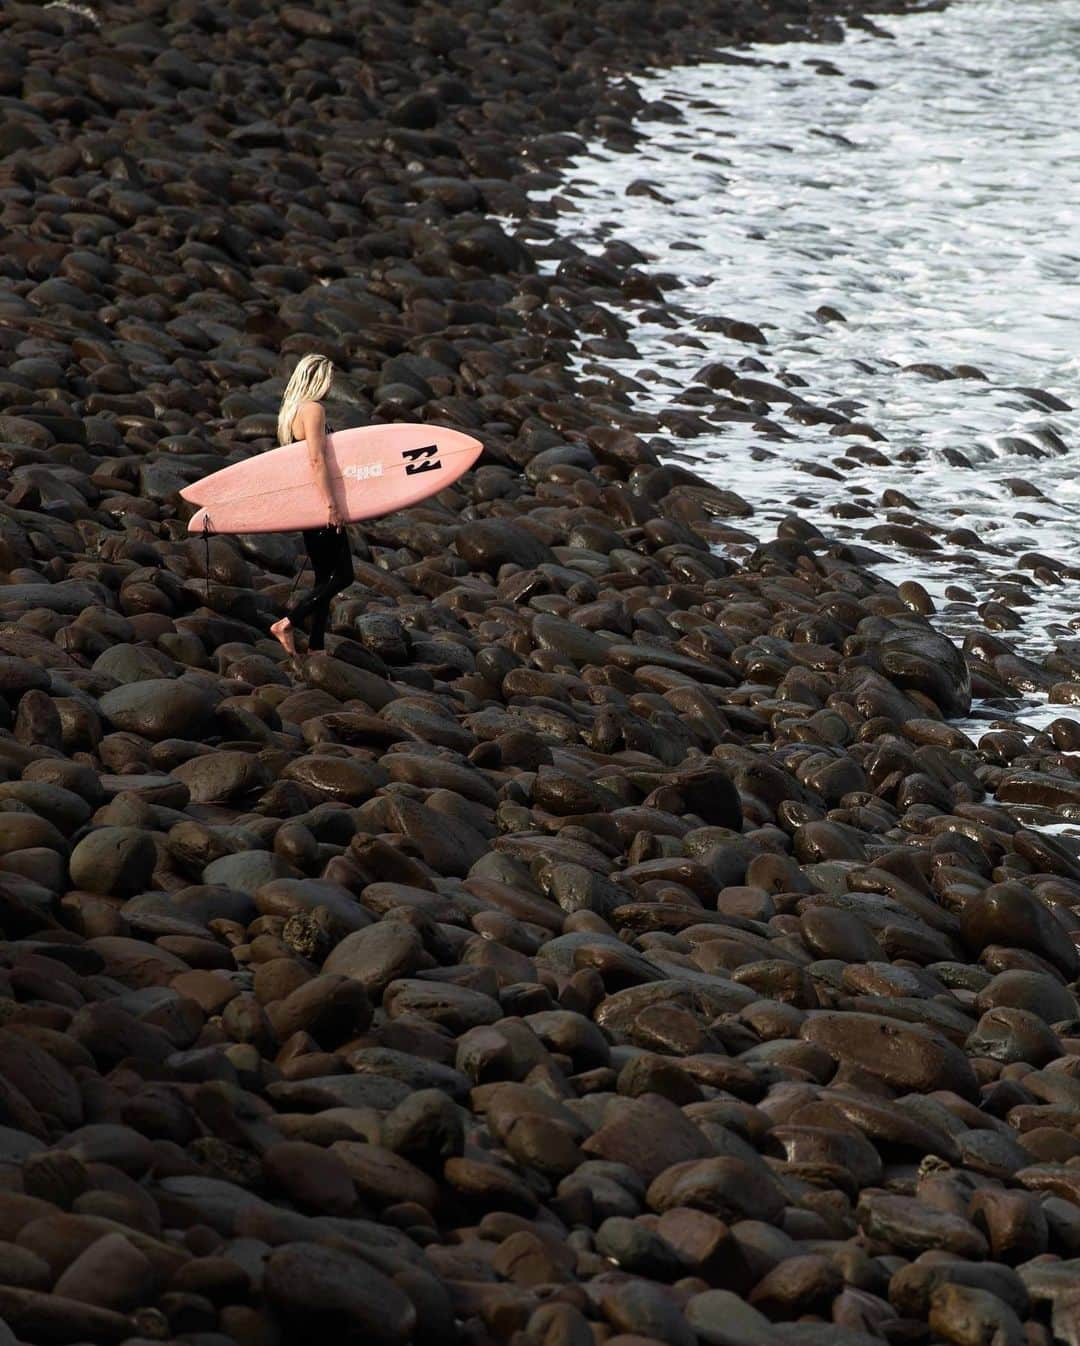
{"points": [[159, 708]]}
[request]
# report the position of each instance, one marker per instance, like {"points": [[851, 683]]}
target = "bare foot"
{"points": [[284, 633]]}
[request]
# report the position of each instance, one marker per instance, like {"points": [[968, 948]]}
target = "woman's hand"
{"points": [[333, 515]]}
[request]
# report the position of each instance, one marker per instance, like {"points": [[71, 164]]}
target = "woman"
{"points": [[302, 417]]}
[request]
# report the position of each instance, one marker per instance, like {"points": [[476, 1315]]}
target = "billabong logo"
{"points": [[362, 471], [420, 460]]}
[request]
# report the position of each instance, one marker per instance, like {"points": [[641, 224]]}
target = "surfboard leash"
{"points": [[206, 544], [296, 581]]}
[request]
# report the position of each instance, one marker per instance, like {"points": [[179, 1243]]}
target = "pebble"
{"points": [[726, 1187], [315, 1285], [116, 861], [902, 1056]]}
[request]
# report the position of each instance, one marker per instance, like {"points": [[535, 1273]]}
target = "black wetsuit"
{"points": [[330, 555]]}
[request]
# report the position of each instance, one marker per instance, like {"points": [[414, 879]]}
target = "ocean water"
{"points": [[926, 186]]}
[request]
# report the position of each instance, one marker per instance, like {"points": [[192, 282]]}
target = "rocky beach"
{"points": [[637, 927]]}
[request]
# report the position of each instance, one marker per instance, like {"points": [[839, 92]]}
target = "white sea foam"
{"points": [[72, 7], [938, 212]]}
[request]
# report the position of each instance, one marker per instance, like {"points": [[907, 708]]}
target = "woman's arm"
{"points": [[313, 421]]}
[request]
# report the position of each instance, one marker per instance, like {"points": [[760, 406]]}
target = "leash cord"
{"points": [[206, 543]]}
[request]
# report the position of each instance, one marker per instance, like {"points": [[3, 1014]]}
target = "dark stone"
{"points": [[324, 1286]]}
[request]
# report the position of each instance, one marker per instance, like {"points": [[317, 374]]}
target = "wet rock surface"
{"points": [[602, 941]]}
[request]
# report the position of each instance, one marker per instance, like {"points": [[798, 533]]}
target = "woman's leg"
{"points": [[283, 629], [320, 555], [339, 556], [319, 544]]}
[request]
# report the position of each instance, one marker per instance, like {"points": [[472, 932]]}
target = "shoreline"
{"points": [[604, 943], [967, 576]]}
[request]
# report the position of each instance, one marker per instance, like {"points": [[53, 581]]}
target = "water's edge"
{"points": [[892, 216]]}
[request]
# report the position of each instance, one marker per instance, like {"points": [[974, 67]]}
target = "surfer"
{"points": [[302, 417]]}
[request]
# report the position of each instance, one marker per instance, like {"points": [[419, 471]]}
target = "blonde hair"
{"points": [[310, 382]]}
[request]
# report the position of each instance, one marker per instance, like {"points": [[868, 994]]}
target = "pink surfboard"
{"points": [[375, 470]]}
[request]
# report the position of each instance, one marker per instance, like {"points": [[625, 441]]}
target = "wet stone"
{"points": [[454, 1007], [960, 1313], [110, 1274], [158, 708], [1007, 914], [378, 955], [721, 1318], [638, 1250], [313, 1284], [913, 1227], [726, 1187], [904, 1056], [490, 544], [641, 1309]]}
